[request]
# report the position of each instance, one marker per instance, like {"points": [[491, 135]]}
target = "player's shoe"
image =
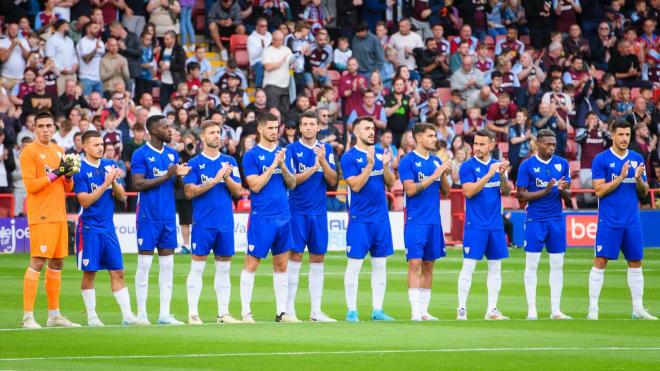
{"points": [[560, 316], [532, 315], [352, 316], [130, 321], [429, 317], [194, 320], [227, 318], [593, 314], [379, 315], [643, 314], [287, 318], [94, 322], [60, 321], [495, 315], [143, 320], [247, 318], [30, 323], [461, 314], [321, 317], [169, 320], [416, 319]]}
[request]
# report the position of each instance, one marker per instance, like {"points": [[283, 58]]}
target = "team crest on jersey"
{"points": [[467, 249], [348, 248], [194, 245], [633, 164], [558, 167], [202, 166], [85, 262], [140, 240], [108, 168], [43, 248], [379, 156], [599, 247], [418, 164], [612, 165], [436, 163], [262, 157], [152, 159], [171, 156], [42, 156], [537, 169], [235, 172], [332, 159], [251, 247]]}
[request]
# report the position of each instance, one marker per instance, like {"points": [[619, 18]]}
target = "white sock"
{"points": [[351, 279], [124, 300], [247, 284], [142, 283], [465, 281], [378, 282], [293, 274], [424, 299], [413, 297], [89, 298], [165, 281], [494, 283], [636, 284], [532, 260], [556, 281], [596, 278], [222, 285], [316, 286], [194, 285], [53, 313], [281, 286]]}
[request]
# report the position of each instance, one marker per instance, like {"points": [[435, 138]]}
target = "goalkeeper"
{"points": [[47, 175]]}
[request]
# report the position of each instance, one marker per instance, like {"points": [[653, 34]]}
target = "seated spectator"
{"points": [[467, 79], [223, 17], [549, 118], [500, 115], [40, 99], [114, 67]]}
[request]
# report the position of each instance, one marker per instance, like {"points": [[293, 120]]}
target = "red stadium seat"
{"points": [[504, 148], [244, 205], [571, 131], [571, 149]]}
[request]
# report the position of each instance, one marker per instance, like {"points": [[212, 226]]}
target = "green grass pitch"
{"points": [[614, 342]]}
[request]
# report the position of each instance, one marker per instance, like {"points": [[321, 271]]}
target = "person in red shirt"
{"points": [[352, 87], [500, 114]]}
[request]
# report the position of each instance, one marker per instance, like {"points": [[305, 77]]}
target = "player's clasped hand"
{"points": [[224, 170], [370, 155], [639, 172], [387, 157], [111, 176], [442, 169], [279, 158], [562, 184], [504, 167], [182, 170], [624, 170]]}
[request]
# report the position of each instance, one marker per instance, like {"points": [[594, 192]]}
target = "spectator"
{"points": [[625, 67], [65, 133], [549, 118], [366, 50], [77, 148], [164, 14], [510, 46], [602, 47], [645, 144], [328, 133], [352, 86], [398, 107], [317, 15], [205, 68], [13, 55], [562, 101], [404, 42], [20, 90], [342, 54], [134, 15], [538, 16], [501, 115], [186, 26], [257, 42], [482, 99], [528, 69], [442, 129], [61, 49], [129, 47], [223, 17], [40, 99], [575, 44], [467, 80], [320, 60], [639, 115], [114, 67], [299, 44], [147, 102], [293, 116], [276, 60], [385, 142], [118, 113], [593, 139], [347, 19], [465, 36], [433, 62], [90, 51], [144, 81], [520, 137], [171, 66], [369, 107]]}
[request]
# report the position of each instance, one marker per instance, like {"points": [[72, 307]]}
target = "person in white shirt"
{"points": [[258, 40], [13, 54], [60, 48], [90, 51], [404, 42], [277, 59]]}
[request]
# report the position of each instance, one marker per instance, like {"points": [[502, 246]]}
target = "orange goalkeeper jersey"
{"points": [[45, 200]]}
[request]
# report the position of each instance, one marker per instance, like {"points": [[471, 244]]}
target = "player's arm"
{"points": [[505, 188], [603, 188], [87, 199], [302, 177], [358, 181], [33, 183], [388, 173], [235, 188], [329, 173], [445, 187], [257, 182], [471, 189], [119, 192], [142, 184], [287, 173]]}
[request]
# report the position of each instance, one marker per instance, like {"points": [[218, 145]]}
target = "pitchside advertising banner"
{"points": [[14, 232]]}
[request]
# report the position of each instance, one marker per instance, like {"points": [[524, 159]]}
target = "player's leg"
{"points": [[380, 249], [300, 230], [260, 237], [535, 236], [202, 242], [433, 250], [59, 237], [223, 251], [281, 248], [358, 241], [89, 298], [167, 243], [318, 247], [474, 247], [30, 285], [247, 285], [146, 245], [89, 247], [123, 298], [633, 250], [414, 238], [556, 246], [496, 250], [608, 245]]}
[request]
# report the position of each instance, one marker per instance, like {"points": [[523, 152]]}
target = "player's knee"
{"points": [[415, 265], [634, 263], [427, 266], [316, 258], [117, 275], [37, 264], [251, 264], [296, 257], [56, 264], [600, 262]]}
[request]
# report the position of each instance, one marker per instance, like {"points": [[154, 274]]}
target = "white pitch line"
{"points": [[320, 353]]}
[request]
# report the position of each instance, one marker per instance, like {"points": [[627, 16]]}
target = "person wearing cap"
{"points": [[175, 102]]}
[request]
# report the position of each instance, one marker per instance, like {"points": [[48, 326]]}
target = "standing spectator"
{"points": [[398, 107], [187, 29], [61, 49], [592, 140], [114, 67], [549, 118], [134, 17], [602, 46], [575, 44], [501, 115], [223, 17], [520, 137], [13, 55], [316, 15], [90, 51], [625, 66], [367, 51], [640, 115], [118, 113], [404, 42], [467, 79], [164, 14], [347, 20], [205, 68], [144, 82], [352, 86], [566, 12], [276, 60], [171, 67], [320, 60], [40, 99], [465, 36], [71, 97], [370, 107], [328, 133], [257, 42], [538, 16], [300, 46], [129, 48]]}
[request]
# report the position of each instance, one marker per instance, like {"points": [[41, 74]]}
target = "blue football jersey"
{"points": [[212, 209], [273, 199], [155, 205], [424, 207], [370, 204], [308, 198], [483, 210], [618, 208], [98, 216], [534, 174]]}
